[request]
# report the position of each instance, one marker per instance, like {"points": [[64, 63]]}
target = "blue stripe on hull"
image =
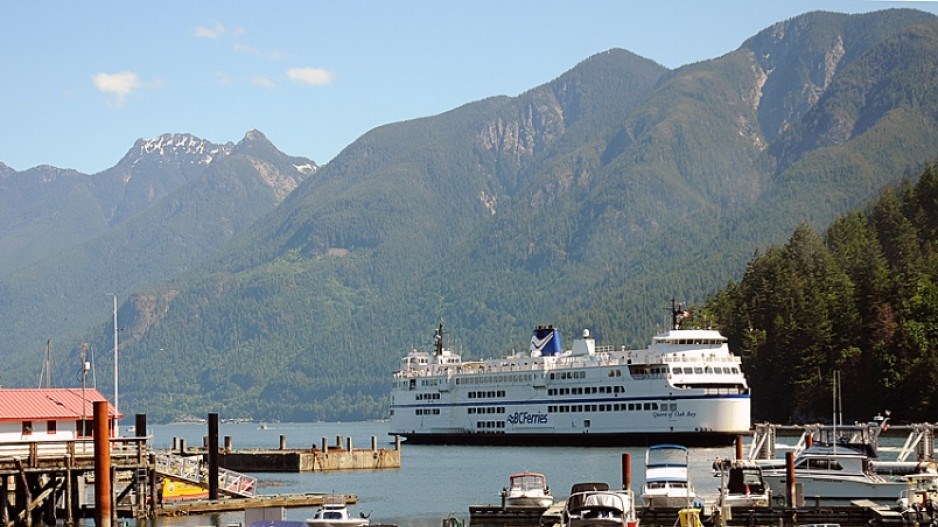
{"points": [[696, 439]]}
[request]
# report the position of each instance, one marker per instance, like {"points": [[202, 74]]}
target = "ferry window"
{"points": [[698, 370], [586, 423], [618, 373], [51, 427], [27, 428], [647, 406]]}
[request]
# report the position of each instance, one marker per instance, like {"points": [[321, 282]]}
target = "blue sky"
{"points": [[81, 81]]}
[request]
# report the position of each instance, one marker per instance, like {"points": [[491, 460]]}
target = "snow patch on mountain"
{"points": [[180, 146]]}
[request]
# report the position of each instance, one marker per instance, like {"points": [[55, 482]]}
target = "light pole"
{"points": [[116, 400]]}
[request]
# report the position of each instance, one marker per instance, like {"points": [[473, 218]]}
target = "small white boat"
{"points": [[334, 513], [741, 484], [600, 508], [527, 489], [666, 478]]}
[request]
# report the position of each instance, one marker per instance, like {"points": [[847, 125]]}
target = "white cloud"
{"points": [[311, 76], [217, 30], [117, 86], [254, 52], [260, 80], [223, 78]]}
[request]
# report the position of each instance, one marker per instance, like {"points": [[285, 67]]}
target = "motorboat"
{"points": [[840, 463], [836, 474], [921, 489], [666, 478], [741, 484], [334, 513], [599, 507], [527, 489], [918, 504]]}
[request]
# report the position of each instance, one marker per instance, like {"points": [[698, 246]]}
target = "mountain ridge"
{"points": [[587, 201]]}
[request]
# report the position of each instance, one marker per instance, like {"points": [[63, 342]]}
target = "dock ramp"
{"points": [[191, 469]]}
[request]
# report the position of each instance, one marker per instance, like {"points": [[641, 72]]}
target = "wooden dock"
{"points": [[861, 514], [185, 507]]}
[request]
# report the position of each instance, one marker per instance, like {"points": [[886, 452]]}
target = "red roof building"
{"points": [[49, 413]]}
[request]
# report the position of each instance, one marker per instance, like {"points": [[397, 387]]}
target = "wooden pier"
{"points": [[47, 482]]}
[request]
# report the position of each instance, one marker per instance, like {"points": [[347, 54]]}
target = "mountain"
{"points": [[587, 202], [167, 205]]}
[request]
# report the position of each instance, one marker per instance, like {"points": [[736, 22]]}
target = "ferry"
{"points": [[686, 386]]}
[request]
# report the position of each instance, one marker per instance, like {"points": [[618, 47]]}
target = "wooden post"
{"points": [[4, 500], [151, 472], [739, 448], [790, 479], [213, 456], [374, 443], [283, 442], [627, 471], [140, 425], [102, 466]]}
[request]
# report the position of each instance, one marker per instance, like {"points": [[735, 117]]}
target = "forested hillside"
{"points": [[862, 299]]}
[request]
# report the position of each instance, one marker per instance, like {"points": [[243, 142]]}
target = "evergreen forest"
{"points": [[861, 299]]}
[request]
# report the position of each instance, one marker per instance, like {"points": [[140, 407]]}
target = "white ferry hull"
{"points": [[685, 388]]}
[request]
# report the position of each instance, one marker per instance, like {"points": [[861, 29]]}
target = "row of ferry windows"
{"points": [[585, 390], [487, 410], [482, 395], [490, 424], [425, 396], [568, 375], [485, 379], [617, 407], [427, 411], [709, 369]]}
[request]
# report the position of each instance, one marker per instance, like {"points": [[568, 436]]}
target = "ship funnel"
{"points": [[546, 341]]}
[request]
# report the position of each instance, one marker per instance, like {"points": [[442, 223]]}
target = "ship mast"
{"points": [[438, 340]]}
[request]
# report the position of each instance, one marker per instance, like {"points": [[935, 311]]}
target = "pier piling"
{"points": [[102, 466]]}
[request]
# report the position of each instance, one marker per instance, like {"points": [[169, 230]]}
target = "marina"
{"points": [[435, 482]]}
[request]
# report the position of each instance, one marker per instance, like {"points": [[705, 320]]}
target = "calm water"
{"points": [[432, 482]]}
